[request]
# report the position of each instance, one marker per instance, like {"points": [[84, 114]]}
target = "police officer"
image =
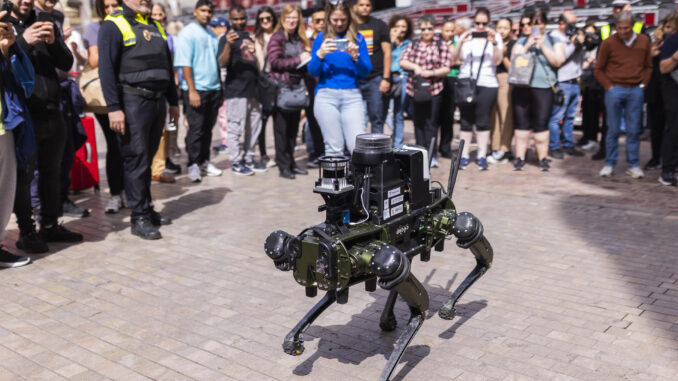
{"points": [[618, 6], [136, 74]]}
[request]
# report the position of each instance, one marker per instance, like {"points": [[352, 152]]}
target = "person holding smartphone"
{"points": [[532, 104], [480, 51], [238, 56], [42, 41], [338, 102]]}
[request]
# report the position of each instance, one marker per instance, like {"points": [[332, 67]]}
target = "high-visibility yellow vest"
{"points": [[606, 30], [128, 35], [145, 56]]}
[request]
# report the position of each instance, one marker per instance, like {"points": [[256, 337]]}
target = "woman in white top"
{"points": [[480, 51]]}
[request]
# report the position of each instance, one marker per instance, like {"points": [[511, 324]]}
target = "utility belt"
{"points": [[140, 91]]}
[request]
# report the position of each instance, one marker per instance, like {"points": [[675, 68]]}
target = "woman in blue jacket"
{"points": [[338, 102]]}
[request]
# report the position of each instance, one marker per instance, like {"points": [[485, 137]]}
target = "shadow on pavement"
{"points": [[361, 337]]}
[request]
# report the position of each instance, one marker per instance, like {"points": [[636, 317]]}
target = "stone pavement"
{"points": [[584, 287]]}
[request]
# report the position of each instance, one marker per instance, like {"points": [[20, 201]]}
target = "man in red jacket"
{"points": [[623, 69]]}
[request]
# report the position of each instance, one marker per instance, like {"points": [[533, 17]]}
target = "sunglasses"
{"points": [[522, 24], [337, 2], [265, 19], [427, 29], [481, 23]]}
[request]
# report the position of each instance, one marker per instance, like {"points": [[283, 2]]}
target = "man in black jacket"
{"points": [[44, 45]]}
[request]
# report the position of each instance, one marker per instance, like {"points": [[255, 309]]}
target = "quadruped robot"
{"points": [[381, 210]]}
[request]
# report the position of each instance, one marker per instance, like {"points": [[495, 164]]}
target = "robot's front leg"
{"points": [[294, 341], [393, 271], [388, 321], [469, 232]]}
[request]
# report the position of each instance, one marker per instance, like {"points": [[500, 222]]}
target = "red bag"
{"points": [[85, 170]]}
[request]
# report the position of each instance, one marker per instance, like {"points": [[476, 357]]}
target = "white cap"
{"points": [[620, 3]]}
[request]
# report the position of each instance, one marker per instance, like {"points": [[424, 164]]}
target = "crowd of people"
{"points": [[339, 70]]}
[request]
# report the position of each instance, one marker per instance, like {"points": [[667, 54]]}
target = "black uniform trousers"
{"points": [[50, 139], [285, 127], [144, 121], [200, 123]]}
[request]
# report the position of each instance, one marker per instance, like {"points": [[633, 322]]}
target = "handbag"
{"points": [[465, 88], [521, 70], [395, 91], [267, 90], [293, 97], [90, 87], [422, 89]]}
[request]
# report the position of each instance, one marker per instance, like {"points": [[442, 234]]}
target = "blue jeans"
{"points": [[566, 113], [374, 100], [397, 124], [623, 103], [340, 116]]}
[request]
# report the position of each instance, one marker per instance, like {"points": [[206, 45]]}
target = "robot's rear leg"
{"points": [[393, 269], [294, 341], [388, 321], [469, 231]]}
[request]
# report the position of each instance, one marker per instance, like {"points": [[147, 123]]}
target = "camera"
{"points": [[382, 209]]}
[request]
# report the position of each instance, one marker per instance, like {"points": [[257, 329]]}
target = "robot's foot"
{"points": [[389, 324], [293, 347], [447, 313]]}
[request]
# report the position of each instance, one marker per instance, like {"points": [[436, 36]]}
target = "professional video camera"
{"points": [[381, 210], [591, 40]]}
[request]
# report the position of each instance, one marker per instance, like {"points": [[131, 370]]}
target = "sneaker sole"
{"points": [[9, 265], [242, 174], [667, 183], [150, 238], [633, 176]]}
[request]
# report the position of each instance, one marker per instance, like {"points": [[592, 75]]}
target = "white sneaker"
{"points": [[635, 172], [607, 171], [589, 146], [210, 169], [434, 163], [194, 173], [114, 204], [490, 159]]}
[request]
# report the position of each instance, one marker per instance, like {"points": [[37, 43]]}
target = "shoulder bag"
{"points": [[90, 87], [267, 88], [422, 86], [558, 95], [521, 70], [465, 88]]}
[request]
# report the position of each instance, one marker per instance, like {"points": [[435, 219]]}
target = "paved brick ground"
{"points": [[584, 286]]}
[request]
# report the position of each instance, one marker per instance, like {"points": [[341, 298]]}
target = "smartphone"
{"points": [[243, 34], [479, 35], [536, 31], [6, 6], [44, 16], [342, 44]]}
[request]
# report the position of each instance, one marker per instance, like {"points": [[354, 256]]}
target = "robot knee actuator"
{"points": [[469, 232]]}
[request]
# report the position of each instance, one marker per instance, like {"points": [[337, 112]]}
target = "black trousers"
{"points": [[261, 140], [592, 106], [426, 122], [446, 117], [656, 120], [478, 114], [316, 133], [144, 121], [50, 138], [531, 108], [670, 138], [200, 123], [285, 128], [114, 172]]}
